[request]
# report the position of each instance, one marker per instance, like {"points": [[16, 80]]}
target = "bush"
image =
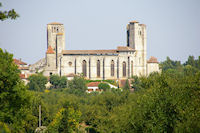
{"points": [[104, 86], [37, 82], [58, 82]]}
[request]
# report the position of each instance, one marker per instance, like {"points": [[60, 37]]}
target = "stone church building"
{"points": [[119, 63]]}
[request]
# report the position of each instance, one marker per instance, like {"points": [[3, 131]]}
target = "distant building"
{"points": [[24, 69], [115, 64], [93, 87]]}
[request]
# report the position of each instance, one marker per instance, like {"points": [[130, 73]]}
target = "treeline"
{"points": [[162, 102]]}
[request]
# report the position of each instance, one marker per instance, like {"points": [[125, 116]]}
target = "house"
{"points": [[93, 87]]}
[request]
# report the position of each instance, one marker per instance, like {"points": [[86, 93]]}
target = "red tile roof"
{"points": [[22, 76], [152, 60], [50, 50], [19, 62], [93, 84], [23, 68]]}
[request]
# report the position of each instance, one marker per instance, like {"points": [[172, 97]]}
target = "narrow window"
{"points": [[98, 68], [131, 68], [84, 68], [112, 68], [124, 69]]}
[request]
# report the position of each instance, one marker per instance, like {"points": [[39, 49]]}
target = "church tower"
{"points": [[56, 40], [56, 37], [136, 39]]}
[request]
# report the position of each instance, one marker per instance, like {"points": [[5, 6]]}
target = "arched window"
{"points": [[98, 68], [112, 68], [131, 68], [124, 69], [84, 68]]}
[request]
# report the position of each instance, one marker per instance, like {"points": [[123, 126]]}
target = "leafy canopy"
{"points": [[11, 14], [37, 82]]}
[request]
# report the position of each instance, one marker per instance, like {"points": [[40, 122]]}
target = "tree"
{"points": [[77, 85], [104, 86], [66, 120], [37, 82], [8, 14], [58, 82], [170, 64], [126, 86], [191, 61], [14, 97]]}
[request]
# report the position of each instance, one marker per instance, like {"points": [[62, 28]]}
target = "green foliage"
{"points": [[4, 128], [77, 85], [37, 82], [162, 102], [126, 86], [14, 97], [66, 120], [8, 14], [192, 62], [170, 64], [58, 82], [104, 86]]}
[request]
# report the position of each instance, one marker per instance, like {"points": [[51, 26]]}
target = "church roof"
{"points": [[98, 52], [54, 23], [152, 60], [124, 48], [50, 50], [71, 52]]}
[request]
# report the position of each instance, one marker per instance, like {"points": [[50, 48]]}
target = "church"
{"points": [[113, 64]]}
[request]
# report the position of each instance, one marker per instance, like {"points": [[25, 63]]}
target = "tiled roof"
{"points": [[23, 68], [50, 50], [152, 60], [93, 84], [124, 48], [111, 51], [89, 52], [22, 76], [54, 23], [70, 75], [19, 62]]}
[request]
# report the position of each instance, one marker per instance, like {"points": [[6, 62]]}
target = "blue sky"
{"points": [[172, 26]]}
